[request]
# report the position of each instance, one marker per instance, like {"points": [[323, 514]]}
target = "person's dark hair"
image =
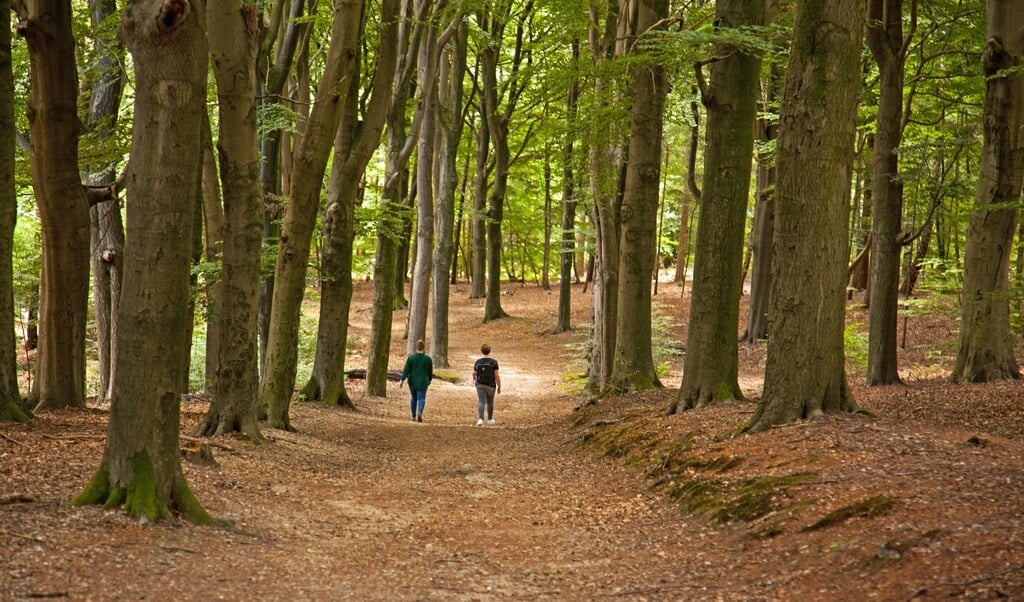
{"points": [[485, 349], [420, 345]]}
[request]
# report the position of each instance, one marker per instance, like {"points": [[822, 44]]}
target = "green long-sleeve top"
{"points": [[419, 371]]}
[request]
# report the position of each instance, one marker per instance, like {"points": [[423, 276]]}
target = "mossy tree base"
{"points": [[12, 412], [139, 497]]}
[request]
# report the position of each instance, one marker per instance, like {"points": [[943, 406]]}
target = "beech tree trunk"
{"points": [[762, 238], [10, 394], [235, 317], [711, 363], [633, 366], [885, 38], [567, 237], [141, 466], [277, 383], [805, 370], [62, 204], [452, 72], [986, 345], [604, 160], [354, 145]]}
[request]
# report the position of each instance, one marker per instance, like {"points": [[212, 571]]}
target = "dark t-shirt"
{"points": [[484, 368]]}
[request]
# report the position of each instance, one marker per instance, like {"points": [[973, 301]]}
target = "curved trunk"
{"points": [[278, 380]]}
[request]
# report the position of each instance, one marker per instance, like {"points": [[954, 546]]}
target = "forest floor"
{"points": [[919, 498]]}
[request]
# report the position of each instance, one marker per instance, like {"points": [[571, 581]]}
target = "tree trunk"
{"points": [[711, 363], [478, 224], [633, 366], [106, 225], [269, 93], [452, 73], [805, 371], [213, 247], [986, 345], [235, 319], [399, 148], [567, 238], [141, 466], [419, 294], [604, 160], [354, 146], [10, 395], [762, 235], [885, 38], [278, 379], [62, 204], [497, 126]]}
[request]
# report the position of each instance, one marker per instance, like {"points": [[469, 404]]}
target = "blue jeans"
{"points": [[417, 401]]}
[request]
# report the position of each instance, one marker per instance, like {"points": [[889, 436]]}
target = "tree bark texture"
{"points": [[986, 346], [805, 371], [567, 236], [761, 240], [10, 394], [885, 38], [278, 380], [498, 128], [354, 145], [633, 366], [106, 223], [141, 467], [604, 159], [711, 363], [62, 204], [236, 380], [452, 72]]}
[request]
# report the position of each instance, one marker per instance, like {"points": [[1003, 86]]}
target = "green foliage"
{"points": [[855, 346], [665, 347]]}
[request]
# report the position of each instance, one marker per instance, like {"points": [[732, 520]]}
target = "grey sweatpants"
{"points": [[485, 398]]}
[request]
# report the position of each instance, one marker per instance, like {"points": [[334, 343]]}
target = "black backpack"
{"points": [[485, 372]]}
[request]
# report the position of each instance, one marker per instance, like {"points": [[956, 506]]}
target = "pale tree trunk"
{"points": [[10, 395], [478, 223], [567, 236], [888, 46], [805, 371], [213, 244], [62, 204], [986, 345], [452, 72], [545, 283], [604, 158], [711, 363], [235, 317], [761, 239], [419, 294], [356, 141], [693, 189], [106, 224], [399, 148], [633, 366], [141, 466], [277, 382]]}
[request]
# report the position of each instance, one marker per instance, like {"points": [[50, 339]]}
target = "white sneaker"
{"points": [[490, 423], [480, 422]]}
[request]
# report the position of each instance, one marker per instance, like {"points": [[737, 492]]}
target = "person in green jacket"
{"points": [[419, 371]]}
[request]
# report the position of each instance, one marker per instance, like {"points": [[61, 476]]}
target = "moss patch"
{"points": [[867, 508]]}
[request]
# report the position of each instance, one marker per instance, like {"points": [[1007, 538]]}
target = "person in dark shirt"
{"points": [[488, 384], [419, 371]]}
